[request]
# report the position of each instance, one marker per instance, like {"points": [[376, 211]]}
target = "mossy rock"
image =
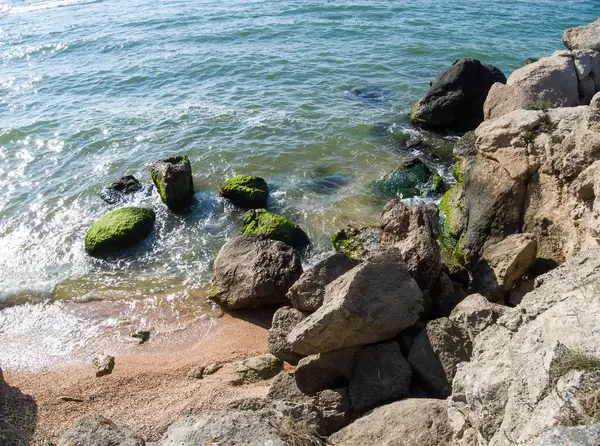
{"points": [[119, 230], [357, 244], [173, 179], [413, 178], [275, 227], [246, 191], [453, 221], [438, 183]]}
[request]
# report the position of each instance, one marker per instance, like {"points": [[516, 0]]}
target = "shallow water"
{"points": [[292, 91]]}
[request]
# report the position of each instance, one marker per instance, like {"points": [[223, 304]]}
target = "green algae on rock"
{"points": [[357, 244], [275, 227], [173, 179], [245, 191], [453, 222], [412, 178], [119, 230]]}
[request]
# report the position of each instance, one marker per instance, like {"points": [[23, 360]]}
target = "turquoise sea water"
{"points": [[91, 90]]}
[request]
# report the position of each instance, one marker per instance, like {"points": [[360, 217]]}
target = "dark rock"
{"points": [[328, 184], [445, 295], [173, 179], [275, 227], [95, 430], [121, 187], [284, 320], [325, 370], [142, 335], [246, 191], [412, 178]]}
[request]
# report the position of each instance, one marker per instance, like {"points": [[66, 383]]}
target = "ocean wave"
{"points": [[43, 5]]}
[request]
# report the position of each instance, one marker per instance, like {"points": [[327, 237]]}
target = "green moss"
{"points": [[275, 227], [412, 178], [118, 230], [413, 116], [346, 242], [457, 171], [246, 191], [159, 186], [438, 183]]}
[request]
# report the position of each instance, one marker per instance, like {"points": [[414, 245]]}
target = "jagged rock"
{"points": [[372, 302], [173, 179], [275, 227], [568, 435], [583, 37], [411, 422], [121, 187], [334, 405], [308, 292], [284, 388], [325, 370], [252, 271], [256, 369], [413, 230], [104, 365], [475, 313], [358, 244], [444, 295], [455, 99], [503, 264], [412, 178], [246, 191], [284, 320], [95, 430], [381, 375], [435, 354]]}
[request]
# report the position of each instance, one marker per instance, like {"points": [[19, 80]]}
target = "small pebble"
{"points": [[104, 365], [196, 372], [212, 368]]}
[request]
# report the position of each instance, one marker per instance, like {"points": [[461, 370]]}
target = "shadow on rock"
{"points": [[262, 318], [18, 416]]}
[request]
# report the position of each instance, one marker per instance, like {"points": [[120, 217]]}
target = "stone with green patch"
{"points": [[275, 227], [357, 244], [173, 179], [245, 191], [412, 178]]}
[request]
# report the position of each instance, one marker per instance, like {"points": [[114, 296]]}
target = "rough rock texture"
{"points": [[95, 430], [308, 292], [121, 187], [509, 393], [252, 271], [413, 178], [275, 227], [104, 365], [503, 264], [455, 99], [246, 191], [359, 244], [284, 388], [325, 370], [572, 435], [372, 302], [173, 180], [381, 375], [435, 353], [475, 313], [411, 422], [284, 320], [119, 230], [256, 369], [583, 37]]}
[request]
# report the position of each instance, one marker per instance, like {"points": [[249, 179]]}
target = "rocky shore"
{"points": [[474, 323]]}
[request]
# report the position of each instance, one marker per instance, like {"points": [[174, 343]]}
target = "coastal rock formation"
{"points": [[95, 430], [252, 271], [475, 313], [455, 99], [372, 302], [583, 37], [246, 191], [308, 292], [119, 230], [414, 422], [284, 320], [358, 244], [575, 435], [412, 178], [173, 179], [256, 369], [325, 370], [275, 227], [121, 187]]}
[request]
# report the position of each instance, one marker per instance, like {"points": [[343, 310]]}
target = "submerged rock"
{"points": [[121, 187], [173, 179], [328, 184], [119, 230], [413, 178], [275, 227], [246, 191], [95, 430]]}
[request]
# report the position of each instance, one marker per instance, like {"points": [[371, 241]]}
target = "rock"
{"points": [[444, 295], [95, 430], [308, 292], [503, 264], [568, 435], [358, 244], [252, 271], [173, 179], [211, 368], [413, 231], [583, 37], [455, 99], [119, 230], [372, 302], [122, 186], [335, 410], [284, 320], [284, 388], [381, 375], [328, 184], [325, 370], [412, 178], [275, 227], [530, 60], [246, 191], [142, 335], [435, 354], [411, 422], [256, 369], [196, 372], [104, 365], [475, 313]]}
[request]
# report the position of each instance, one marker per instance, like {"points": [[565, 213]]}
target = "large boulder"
{"points": [[308, 292], [455, 98], [325, 370], [95, 430], [475, 313], [246, 191], [372, 302], [381, 375], [413, 178], [284, 320], [275, 227], [252, 271], [119, 230], [173, 179], [411, 422], [583, 37]]}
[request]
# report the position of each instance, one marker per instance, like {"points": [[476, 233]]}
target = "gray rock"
{"points": [[568, 435], [211, 368], [120, 188], [372, 302], [325, 370], [104, 365], [284, 320], [381, 375], [256, 369], [444, 296], [252, 271], [173, 179], [95, 430], [410, 422], [475, 313], [583, 37], [335, 410], [308, 292], [284, 388]]}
